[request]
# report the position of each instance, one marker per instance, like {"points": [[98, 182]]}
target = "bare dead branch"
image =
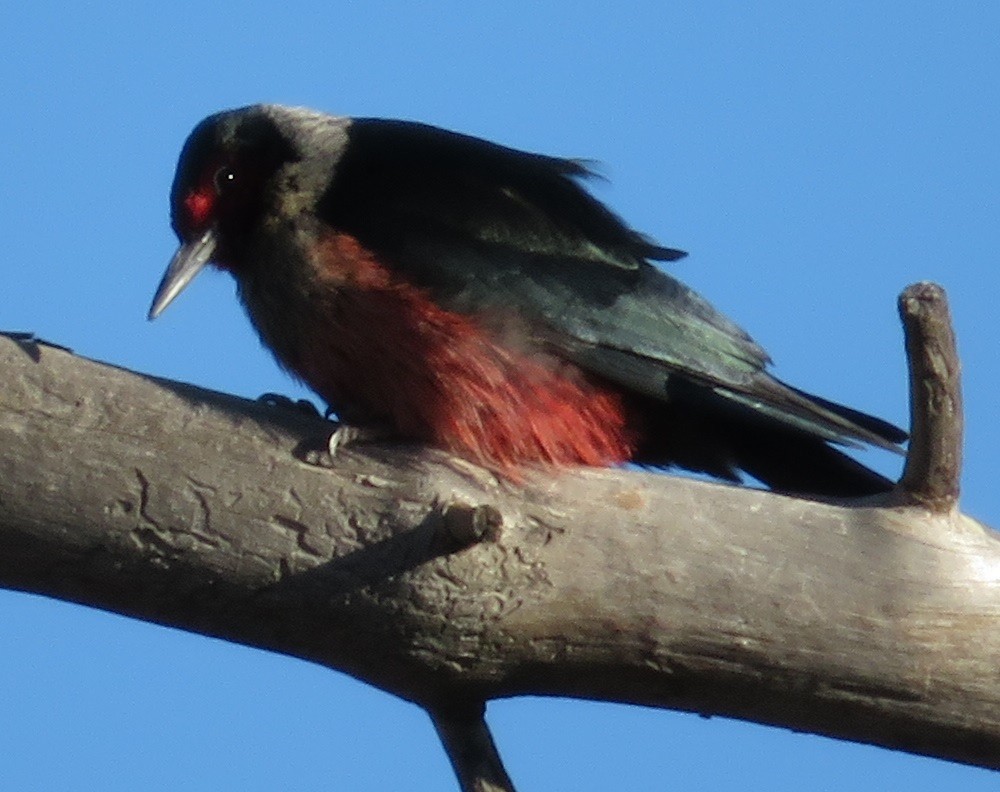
{"points": [[934, 461], [470, 747], [874, 621]]}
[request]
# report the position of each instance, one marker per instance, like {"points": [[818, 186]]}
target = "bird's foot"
{"points": [[357, 434], [30, 342], [281, 401], [322, 451]]}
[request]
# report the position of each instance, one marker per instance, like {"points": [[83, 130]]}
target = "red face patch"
{"points": [[199, 206]]}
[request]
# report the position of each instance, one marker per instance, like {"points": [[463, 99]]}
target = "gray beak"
{"points": [[187, 262]]}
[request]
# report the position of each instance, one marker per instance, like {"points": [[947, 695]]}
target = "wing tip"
{"points": [[660, 253]]}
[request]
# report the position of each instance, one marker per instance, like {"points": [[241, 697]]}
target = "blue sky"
{"points": [[814, 158]]}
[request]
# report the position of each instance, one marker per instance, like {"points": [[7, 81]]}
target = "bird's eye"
{"points": [[225, 179]]}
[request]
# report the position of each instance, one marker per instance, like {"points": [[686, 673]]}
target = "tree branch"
{"points": [[934, 461], [467, 739], [872, 620]]}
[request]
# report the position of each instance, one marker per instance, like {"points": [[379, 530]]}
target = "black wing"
{"points": [[497, 232]]}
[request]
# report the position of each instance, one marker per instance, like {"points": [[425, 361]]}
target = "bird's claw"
{"points": [[353, 434]]}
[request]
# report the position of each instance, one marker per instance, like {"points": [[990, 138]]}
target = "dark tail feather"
{"points": [[805, 465], [883, 429], [701, 430]]}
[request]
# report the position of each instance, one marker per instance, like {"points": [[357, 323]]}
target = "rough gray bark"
{"points": [[874, 621]]}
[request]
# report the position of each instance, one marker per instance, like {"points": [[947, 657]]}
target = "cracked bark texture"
{"points": [[873, 620]]}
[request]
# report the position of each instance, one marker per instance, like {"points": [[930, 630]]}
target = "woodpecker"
{"points": [[478, 298]]}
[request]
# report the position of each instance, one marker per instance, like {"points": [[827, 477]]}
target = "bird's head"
{"points": [[237, 169]]}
